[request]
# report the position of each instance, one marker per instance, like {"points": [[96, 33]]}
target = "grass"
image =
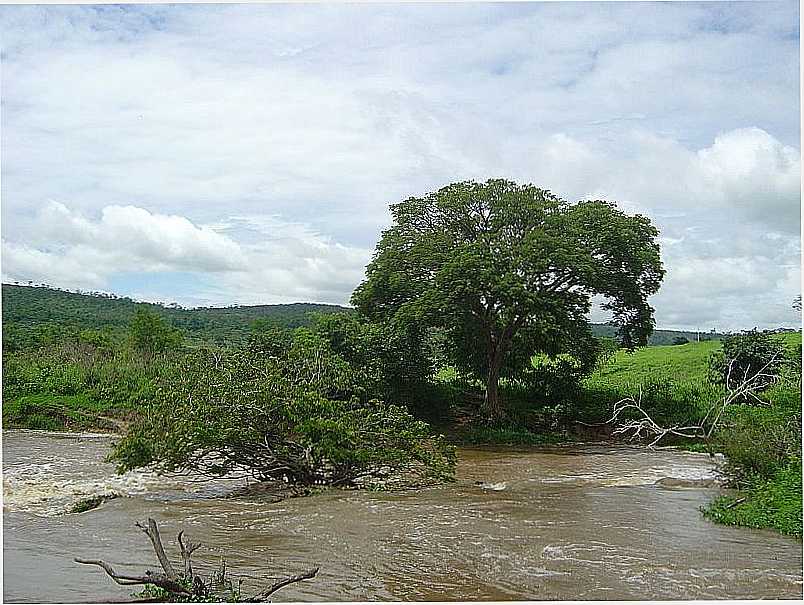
{"points": [[50, 412], [770, 503], [670, 362], [672, 381]]}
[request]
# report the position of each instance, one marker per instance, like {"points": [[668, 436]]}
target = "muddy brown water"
{"points": [[583, 521]]}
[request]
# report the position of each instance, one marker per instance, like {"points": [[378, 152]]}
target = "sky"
{"points": [[247, 154]]}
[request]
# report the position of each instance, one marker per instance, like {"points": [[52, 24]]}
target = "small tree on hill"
{"points": [[152, 334], [747, 354]]}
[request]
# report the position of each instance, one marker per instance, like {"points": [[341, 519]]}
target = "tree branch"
{"points": [[645, 425], [263, 595], [186, 552], [217, 585], [149, 578], [152, 531]]}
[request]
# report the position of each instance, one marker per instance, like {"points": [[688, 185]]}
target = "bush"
{"points": [[87, 367], [297, 417], [152, 334], [774, 502], [394, 361], [758, 441], [744, 355], [51, 412], [554, 379]]}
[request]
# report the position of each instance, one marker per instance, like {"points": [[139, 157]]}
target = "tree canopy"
{"points": [[510, 270]]}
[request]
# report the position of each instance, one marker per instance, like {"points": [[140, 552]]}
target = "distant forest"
{"points": [[30, 312]]}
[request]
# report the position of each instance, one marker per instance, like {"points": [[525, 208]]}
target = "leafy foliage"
{"points": [[745, 354], [395, 360], [151, 334], [34, 316], [758, 441], [300, 416], [774, 502], [508, 270]]}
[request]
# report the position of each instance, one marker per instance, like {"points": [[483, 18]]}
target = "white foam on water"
{"points": [[40, 490]]}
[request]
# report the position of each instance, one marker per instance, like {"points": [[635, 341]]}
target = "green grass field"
{"points": [[669, 362], [672, 380]]}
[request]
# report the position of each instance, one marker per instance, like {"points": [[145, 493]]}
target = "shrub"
{"points": [[394, 361], [744, 355], [758, 441], [775, 502], [152, 334], [554, 379], [297, 417]]}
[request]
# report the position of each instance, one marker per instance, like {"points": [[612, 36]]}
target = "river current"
{"points": [[581, 521]]}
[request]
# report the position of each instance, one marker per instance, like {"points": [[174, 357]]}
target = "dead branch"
{"points": [[149, 578], [152, 531], [261, 597], [645, 426], [186, 552], [189, 583]]}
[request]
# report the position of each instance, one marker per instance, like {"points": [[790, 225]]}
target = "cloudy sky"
{"points": [[220, 154]]}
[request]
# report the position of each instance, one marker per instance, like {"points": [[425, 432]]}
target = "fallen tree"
{"points": [[188, 585], [744, 389], [298, 416]]}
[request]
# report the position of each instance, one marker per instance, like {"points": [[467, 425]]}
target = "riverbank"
{"points": [[762, 443]]}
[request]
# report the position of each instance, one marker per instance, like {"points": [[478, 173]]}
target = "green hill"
{"points": [[26, 308], [660, 337]]}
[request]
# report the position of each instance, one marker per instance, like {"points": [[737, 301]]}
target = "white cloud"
{"points": [[306, 121], [747, 171], [274, 260]]}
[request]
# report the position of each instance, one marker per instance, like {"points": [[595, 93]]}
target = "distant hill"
{"points": [[26, 307], [30, 306], [660, 337]]}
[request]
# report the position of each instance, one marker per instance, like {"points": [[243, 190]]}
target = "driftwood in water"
{"points": [[188, 584]]}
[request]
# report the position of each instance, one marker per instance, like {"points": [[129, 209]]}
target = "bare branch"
{"points": [[186, 552], [217, 585], [152, 531], [149, 578], [263, 595], [645, 426]]}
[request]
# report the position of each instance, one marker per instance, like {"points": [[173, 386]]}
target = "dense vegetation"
{"points": [[34, 315], [39, 315], [298, 412]]}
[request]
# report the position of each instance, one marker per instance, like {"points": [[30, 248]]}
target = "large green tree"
{"points": [[509, 270]]}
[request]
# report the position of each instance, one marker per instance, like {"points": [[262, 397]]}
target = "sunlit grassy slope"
{"points": [[672, 362]]}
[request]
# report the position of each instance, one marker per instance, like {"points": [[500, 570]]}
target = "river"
{"points": [[582, 521]]}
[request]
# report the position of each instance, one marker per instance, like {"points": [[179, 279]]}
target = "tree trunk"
{"points": [[492, 404]]}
